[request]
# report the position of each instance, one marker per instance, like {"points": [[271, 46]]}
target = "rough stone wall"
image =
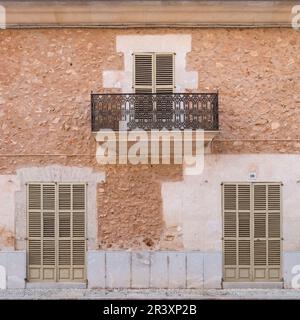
{"points": [[46, 76], [130, 204]]}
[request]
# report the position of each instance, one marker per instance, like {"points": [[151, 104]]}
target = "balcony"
{"points": [[155, 111]]}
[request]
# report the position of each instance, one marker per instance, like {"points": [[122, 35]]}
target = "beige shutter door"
{"points": [[252, 231], [41, 232], [236, 233], [267, 231], [56, 232], [71, 232]]}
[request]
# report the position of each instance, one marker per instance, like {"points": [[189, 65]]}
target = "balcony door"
{"points": [[154, 85]]}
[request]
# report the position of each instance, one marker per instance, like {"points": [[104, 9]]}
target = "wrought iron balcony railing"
{"points": [[176, 111]]}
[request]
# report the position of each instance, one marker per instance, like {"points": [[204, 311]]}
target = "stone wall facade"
{"points": [[47, 75]]}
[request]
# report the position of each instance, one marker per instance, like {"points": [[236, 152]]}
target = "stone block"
{"points": [[96, 269], [118, 269], [177, 270], [159, 270], [140, 272], [194, 272]]}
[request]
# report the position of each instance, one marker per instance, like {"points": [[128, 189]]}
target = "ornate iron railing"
{"points": [[155, 111]]}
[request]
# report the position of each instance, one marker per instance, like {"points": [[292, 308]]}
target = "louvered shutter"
{"points": [[153, 73], [252, 231], [56, 232], [143, 84], [164, 73], [41, 232], [267, 231], [71, 232], [164, 83], [236, 232]]}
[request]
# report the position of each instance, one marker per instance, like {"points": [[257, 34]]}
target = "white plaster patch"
{"points": [[57, 173], [8, 186], [176, 43], [201, 209]]}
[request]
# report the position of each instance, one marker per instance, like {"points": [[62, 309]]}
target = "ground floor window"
{"points": [[251, 231], [56, 231]]}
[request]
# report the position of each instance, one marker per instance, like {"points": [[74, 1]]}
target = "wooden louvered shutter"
{"points": [[164, 73], [143, 84], [56, 232], [164, 83], [153, 73], [252, 231], [267, 231], [237, 235], [71, 232], [41, 232]]}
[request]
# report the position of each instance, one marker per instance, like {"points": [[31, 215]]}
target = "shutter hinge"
{"points": [[26, 238]]}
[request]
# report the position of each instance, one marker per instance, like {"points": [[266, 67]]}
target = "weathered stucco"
{"points": [[46, 77]]}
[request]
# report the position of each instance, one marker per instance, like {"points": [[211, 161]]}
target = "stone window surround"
{"points": [[180, 44], [57, 173]]}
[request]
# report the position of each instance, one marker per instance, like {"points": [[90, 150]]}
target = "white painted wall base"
{"points": [[145, 269], [291, 269], [14, 263], [154, 269]]}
